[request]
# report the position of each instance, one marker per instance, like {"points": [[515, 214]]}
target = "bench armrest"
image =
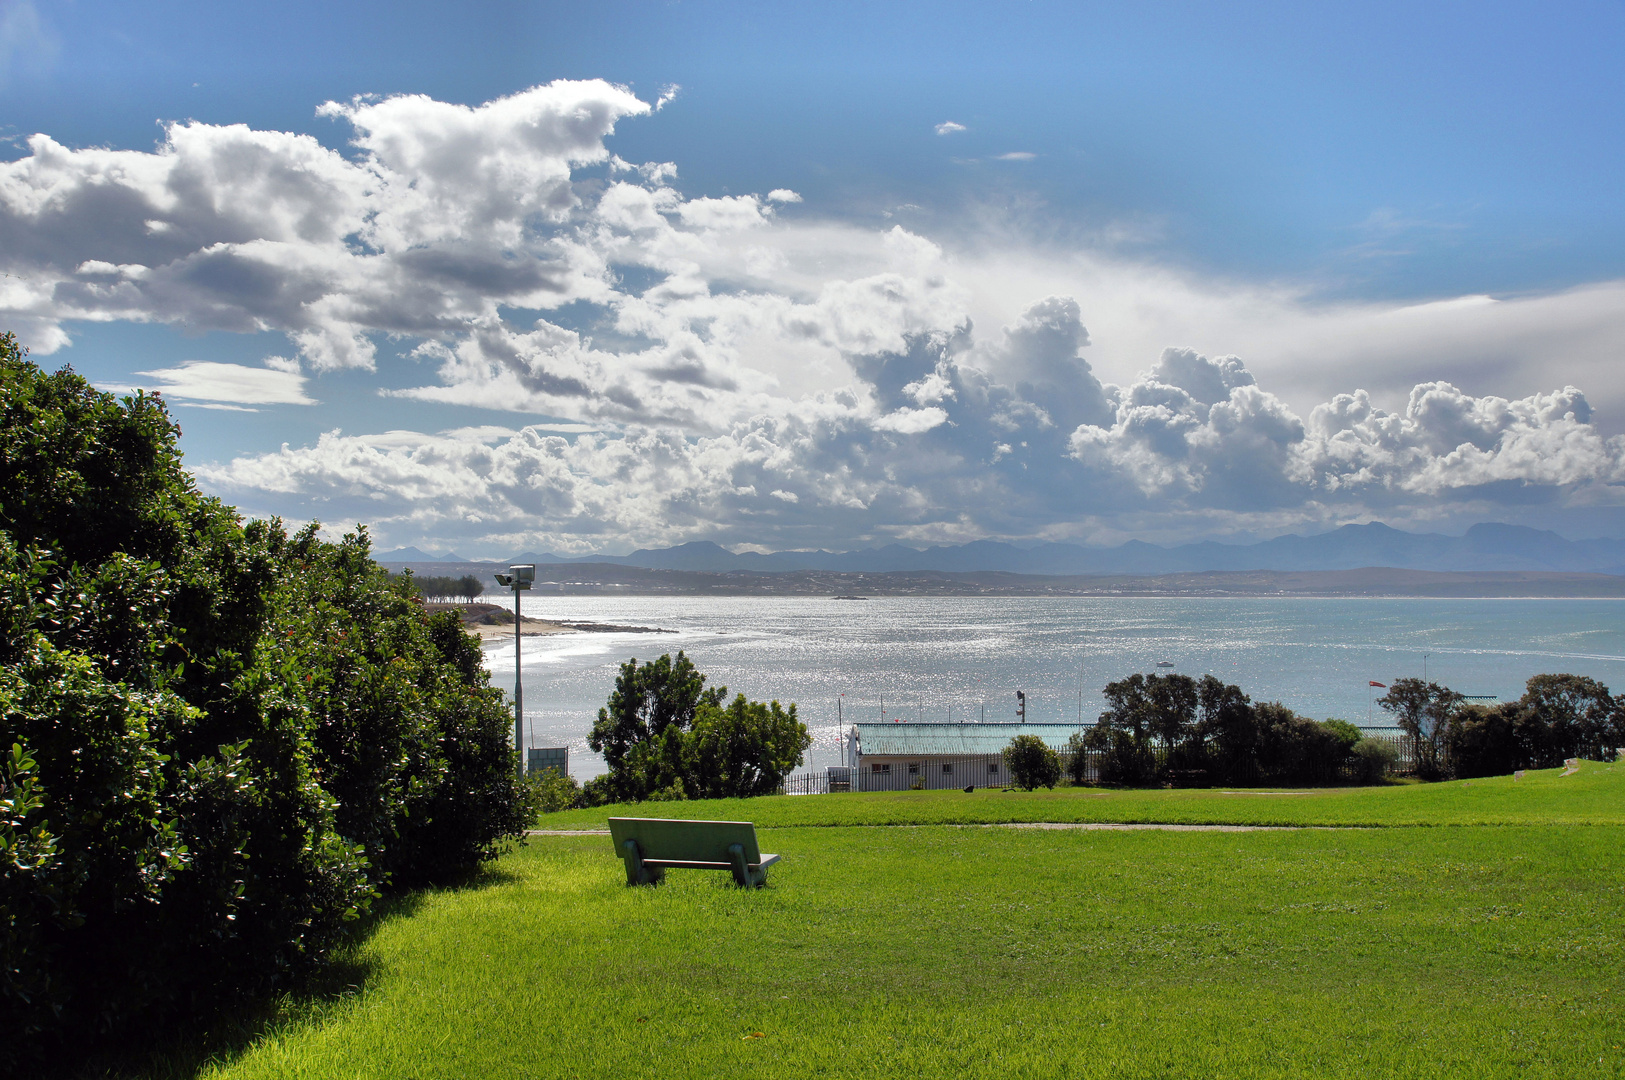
{"points": [[749, 874]]}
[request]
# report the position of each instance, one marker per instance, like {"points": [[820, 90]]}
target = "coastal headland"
{"points": [[493, 622]]}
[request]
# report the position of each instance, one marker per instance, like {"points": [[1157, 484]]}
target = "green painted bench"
{"points": [[650, 846]]}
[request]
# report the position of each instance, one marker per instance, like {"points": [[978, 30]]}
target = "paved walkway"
{"points": [[1104, 825]]}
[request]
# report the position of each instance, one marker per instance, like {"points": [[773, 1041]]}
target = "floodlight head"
{"points": [[504, 580]]}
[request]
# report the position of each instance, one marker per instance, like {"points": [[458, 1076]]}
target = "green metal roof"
{"points": [[953, 740]]}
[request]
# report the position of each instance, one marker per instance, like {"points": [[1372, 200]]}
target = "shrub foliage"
{"points": [[1559, 717], [218, 741], [1032, 763], [1172, 728]]}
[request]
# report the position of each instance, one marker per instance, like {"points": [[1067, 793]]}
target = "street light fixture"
{"points": [[518, 578]]}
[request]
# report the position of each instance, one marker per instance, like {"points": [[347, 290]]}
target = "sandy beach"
{"points": [[531, 628], [492, 622]]}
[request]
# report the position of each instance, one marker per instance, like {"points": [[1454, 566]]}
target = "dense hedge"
{"points": [[1175, 729], [218, 741], [1557, 718]]}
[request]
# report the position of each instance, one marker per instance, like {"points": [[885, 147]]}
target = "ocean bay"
{"points": [[963, 658]]}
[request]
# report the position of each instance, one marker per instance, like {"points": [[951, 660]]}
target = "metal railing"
{"points": [[806, 784]]}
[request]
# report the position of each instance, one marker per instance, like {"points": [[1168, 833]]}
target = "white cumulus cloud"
{"points": [[215, 385], [713, 367]]}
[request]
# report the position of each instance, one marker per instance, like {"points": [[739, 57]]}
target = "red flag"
{"points": [[1381, 684]]}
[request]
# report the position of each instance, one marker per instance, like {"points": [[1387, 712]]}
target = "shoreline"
{"points": [[492, 622]]}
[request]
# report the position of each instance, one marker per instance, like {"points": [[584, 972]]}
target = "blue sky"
{"points": [[951, 323]]}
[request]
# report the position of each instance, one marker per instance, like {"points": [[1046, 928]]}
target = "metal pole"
{"points": [[518, 687]]}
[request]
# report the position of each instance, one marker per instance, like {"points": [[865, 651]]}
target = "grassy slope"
{"points": [[1595, 795], [1473, 952]]}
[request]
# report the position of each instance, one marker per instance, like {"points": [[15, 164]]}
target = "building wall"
{"points": [[896, 773]]}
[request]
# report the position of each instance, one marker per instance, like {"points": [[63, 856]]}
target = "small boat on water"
{"points": [[1165, 663], [849, 598]]}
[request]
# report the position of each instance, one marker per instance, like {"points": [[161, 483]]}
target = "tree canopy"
{"points": [[665, 734]]}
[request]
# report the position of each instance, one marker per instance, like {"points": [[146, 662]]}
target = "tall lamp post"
{"points": [[518, 578]]}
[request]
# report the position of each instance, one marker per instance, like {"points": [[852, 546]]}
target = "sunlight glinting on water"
{"points": [[958, 659]]}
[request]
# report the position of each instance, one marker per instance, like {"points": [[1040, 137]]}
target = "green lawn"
{"points": [[1594, 795], [1476, 951]]}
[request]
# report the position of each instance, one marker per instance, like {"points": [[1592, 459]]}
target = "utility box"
{"points": [[840, 778], [543, 758]]}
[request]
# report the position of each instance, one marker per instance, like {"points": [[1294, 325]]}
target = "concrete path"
{"points": [[1164, 828], [1105, 825]]}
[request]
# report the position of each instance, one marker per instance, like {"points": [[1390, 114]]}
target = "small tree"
{"points": [[1423, 711], [1481, 740], [1124, 759], [1372, 760], [1577, 714], [1174, 700], [665, 734], [632, 727], [743, 750], [1032, 763], [1226, 731]]}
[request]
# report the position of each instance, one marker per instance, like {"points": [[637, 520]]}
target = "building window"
{"points": [[992, 766], [914, 768], [880, 766], [947, 769]]}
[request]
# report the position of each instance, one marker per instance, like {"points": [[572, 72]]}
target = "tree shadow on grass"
{"points": [[184, 1051]]}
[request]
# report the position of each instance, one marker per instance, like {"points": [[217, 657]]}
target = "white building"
{"points": [[900, 757]]}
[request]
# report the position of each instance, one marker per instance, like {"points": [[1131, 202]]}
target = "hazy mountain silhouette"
{"points": [[1488, 546]]}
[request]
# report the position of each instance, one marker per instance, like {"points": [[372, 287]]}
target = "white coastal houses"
{"points": [[898, 757]]}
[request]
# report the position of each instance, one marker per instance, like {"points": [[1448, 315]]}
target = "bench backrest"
{"points": [[685, 841]]}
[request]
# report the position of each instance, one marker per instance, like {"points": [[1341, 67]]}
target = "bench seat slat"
{"points": [[694, 864]]}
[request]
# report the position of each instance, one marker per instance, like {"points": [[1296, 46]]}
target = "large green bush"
{"points": [[220, 741], [1032, 763], [1373, 760]]}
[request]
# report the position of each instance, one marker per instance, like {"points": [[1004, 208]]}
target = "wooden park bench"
{"points": [[649, 846]]}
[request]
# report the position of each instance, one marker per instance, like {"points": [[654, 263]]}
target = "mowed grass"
{"points": [[944, 951], [1594, 795]]}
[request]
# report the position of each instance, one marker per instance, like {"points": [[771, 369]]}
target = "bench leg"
{"points": [[744, 876], [636, 872]]}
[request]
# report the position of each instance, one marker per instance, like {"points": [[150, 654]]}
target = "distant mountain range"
{"points": [[412, 554], [1485, 547]]}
